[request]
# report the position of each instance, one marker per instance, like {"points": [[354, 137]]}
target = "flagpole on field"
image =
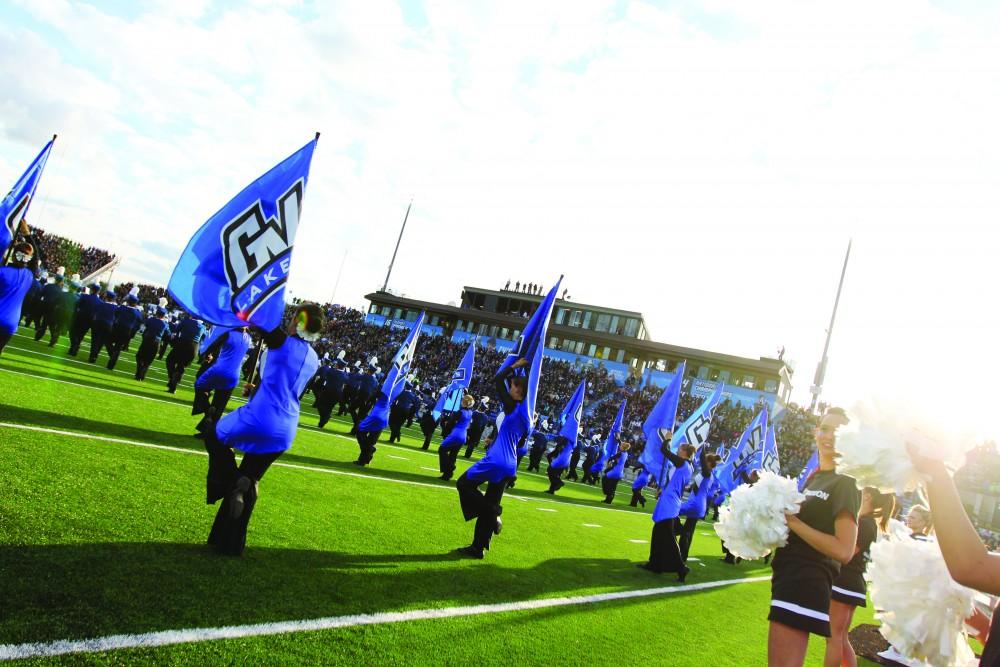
{"points": [[385, 285], [817, 386]]}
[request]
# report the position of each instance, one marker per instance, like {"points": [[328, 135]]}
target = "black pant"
{"points": [[427, 427], [163, 348], [228, 534], [447, 457], [664, 554], [144, 357], [534, 459], [180, 356], [54, 324], [609, 486], [574, 460], [119, 341], [485, 508], [366, 445], [637, 498], [395, 428], [686, 536], [203, 400], [555, 479], [100, 336], [471, 445], [77, 332]]}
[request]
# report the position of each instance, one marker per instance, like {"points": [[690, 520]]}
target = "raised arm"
{"points": [[839, 546], [968, 560]]}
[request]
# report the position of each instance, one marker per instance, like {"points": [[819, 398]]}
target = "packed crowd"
{"points": [[57, 251], [147, 293]]}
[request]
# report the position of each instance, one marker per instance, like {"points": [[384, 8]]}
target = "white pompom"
{"points": [[162, 302], [873, 447], [753, 523], [921, 609]]}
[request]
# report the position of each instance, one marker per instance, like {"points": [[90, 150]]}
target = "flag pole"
{"points": [[817, 386], [385, 285]]}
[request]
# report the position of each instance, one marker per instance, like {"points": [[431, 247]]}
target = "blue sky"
{"points": [[704, 163]]}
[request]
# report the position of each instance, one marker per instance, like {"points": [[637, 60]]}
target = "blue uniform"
{"points": [[190, 331], [641, 480], [696, 506], [14, 285], [561, 460], [459, 433], [104, 313], [500, 462], [224, 373], [155, 328], [267, 424], [619, 468], [378, 416], [669, 504]]}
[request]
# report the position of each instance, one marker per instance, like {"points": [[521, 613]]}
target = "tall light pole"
{"points": [[333, 297], [402, 229], [817, 386]]}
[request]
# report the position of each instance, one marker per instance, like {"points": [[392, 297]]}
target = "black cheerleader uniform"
{"points": [[850, 587], [802, 578]]}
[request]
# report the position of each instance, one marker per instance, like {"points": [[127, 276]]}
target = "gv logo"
{"points": [[252, 242]]}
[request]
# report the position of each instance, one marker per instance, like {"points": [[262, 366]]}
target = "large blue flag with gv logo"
{"points": [[769, 455], [695, 428], [395, 379], [235, 267], [572, 414], [744, 453], [809, 468], [15, 205], [660, 422], [451, 399]]}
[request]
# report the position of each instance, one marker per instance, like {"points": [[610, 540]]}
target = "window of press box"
{"points": [[702, 372], [373, 309], [771, 386], [620, 356], [553, 343], [587, 317], [615, 324], [631, 327], [411, 315], [574, 320], [749, 381], [560, 315], [603, 322], [386, 311], [724, 376]]}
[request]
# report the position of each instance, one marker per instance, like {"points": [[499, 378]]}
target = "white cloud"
{"points": [[704, 164]]}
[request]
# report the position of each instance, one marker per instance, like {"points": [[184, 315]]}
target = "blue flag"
{"points": [[531, 345], [572, 415], [660, 422], [611, 442], [695, 428], [744, 453], [214, 334], [235, 267], [451, 399], [15, 205], [395, 379], [811, 465], [769, 455]]}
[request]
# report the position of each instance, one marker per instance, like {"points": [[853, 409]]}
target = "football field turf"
{"points": [[103, 523]]}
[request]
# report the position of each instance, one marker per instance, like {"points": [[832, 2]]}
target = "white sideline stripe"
{"points": [[639, 541], [591, 525], [401, 458], [294, 466], [193, 635], [545, 509], [800, 610], [431, 469], [287, 465], [853, 594]]}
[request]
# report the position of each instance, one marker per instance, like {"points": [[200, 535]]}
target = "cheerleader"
{"points": [[263, 428], [821, 538], [641, 480], [613, 473], [664, 554], [695, 507], [920, 522], [849, 588], [452, 444], [499, 464]]}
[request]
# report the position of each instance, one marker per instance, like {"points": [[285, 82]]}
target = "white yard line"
{"points": [[194, 635]]}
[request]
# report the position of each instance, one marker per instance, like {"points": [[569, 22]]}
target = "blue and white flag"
{"points": [[811, 465], [769, 455], [395, 379], [695, 428], [658, 424], [572, 414], [531, 345], [14, 207], [744, 453], [451, 399], [235, 267], [611, 442], [214, 334]]}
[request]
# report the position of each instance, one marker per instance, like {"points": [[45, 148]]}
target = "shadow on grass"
{"points": [[56, 420], [84, 590]]}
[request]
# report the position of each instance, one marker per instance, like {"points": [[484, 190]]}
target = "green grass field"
{"points": [[103, 522]]}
